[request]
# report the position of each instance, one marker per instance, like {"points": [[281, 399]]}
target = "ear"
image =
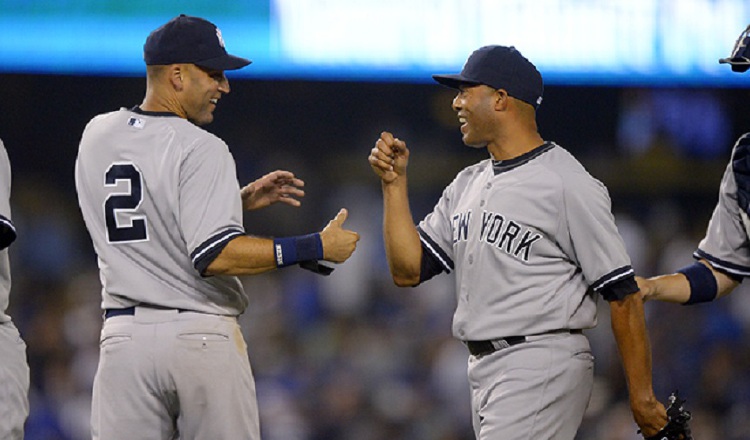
{"points": [[176, 73], [502, 99]]}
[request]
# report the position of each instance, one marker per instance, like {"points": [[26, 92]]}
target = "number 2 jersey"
{"points": [[160, 199], [532, 241]]}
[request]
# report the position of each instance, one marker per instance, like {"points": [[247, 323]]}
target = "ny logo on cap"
{"points": [[221, 39]]}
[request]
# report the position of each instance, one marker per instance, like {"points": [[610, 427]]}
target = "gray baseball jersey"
{"points": [[7, 232], [14, 370], [726, 245], [160, 199], [147, 185], [531, 239]]}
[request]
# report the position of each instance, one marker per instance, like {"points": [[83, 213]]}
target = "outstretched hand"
{"points": [[278, 186], [389, 157], [338, 243], [646, 288]]}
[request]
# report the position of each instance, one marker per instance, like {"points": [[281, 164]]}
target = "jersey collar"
{"points": [[501, 166], [140, 111]]}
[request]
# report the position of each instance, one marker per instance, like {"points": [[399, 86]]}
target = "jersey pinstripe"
{"points": [[147, 186], [726, 245], [7, 232], [531, 239]]}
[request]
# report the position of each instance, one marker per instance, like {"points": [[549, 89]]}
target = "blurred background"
{"points": [[633, 89]]}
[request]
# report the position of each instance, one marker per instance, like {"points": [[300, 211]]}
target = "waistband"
{"points": [[483, 348], [130, 311]]}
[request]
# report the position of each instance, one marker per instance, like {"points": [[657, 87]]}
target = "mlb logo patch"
{"points": [[136, 122]]}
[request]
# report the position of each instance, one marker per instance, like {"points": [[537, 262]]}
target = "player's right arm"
{"points": [[676, 287], [248, 255], [389, 159]]}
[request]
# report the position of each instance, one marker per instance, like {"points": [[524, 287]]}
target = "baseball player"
{"points": [[723, 256], [161, 201], [14, 369], [533, 243]]}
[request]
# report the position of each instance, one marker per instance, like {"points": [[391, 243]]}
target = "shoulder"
{"points": [[565, 164], [4, 169], [741, 149], [103, 118], [566, 170], [197, 138], [4, 161], [471, 172]]}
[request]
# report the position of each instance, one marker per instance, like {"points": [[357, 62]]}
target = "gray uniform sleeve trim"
{"points": [[731, 269], [7, 232], [617, 284], [207, 252]]}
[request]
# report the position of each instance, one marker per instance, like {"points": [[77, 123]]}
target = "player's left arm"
{"points": [[629, 328], [277, 186], [248, 255], [602, 256]]}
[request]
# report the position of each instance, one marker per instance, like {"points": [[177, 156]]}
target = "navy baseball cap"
{"points": [[500, 67], [190, 40], [740, 58]]}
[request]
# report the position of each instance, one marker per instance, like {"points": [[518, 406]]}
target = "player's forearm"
{"points": [[676, 287], [670, 288], [244, 255], [402, 246], [629, 328]]}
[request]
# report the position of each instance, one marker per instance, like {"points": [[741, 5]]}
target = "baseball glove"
{"points": [[677, 427]]}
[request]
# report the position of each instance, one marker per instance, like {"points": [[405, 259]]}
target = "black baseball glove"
{"points": [[677, 427]]}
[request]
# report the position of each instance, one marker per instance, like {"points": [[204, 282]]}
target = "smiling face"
{"points": [[475, 106], [202, 89]]}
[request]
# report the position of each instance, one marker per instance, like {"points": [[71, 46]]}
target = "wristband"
{"points": [[293, 250], [703, 287]]}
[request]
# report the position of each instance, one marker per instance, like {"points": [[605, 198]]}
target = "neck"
{"points": [[511, 147], [156, 101]]}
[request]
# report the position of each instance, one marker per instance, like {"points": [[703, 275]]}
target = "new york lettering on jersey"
{"points": [[498, 231]]}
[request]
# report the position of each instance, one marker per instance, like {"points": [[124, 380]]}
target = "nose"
{"points": [[457, 103], [224, 84]]}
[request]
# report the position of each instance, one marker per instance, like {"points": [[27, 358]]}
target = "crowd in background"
{"points": [[352, 356]]}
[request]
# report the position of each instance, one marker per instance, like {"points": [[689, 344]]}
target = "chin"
{"points": [[473, 143], [203, 120]]}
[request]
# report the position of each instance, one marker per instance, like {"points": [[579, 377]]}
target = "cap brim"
{"points": [[739, 64], [224, 62], [453, 81]]}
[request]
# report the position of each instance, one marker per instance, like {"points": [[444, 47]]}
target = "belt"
{"points": [[130, 311], [109, 313], [482, 348]]}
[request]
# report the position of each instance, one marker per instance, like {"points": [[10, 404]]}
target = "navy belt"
{"points": [[483, 348], [109, 313], [130, 311]]}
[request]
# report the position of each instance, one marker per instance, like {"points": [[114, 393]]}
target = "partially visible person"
{"points": [[723, 256], [14, 367], [162, 204], [533, 242]]}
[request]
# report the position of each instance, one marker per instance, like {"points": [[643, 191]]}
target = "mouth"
{"points": [[464, 123], [214, 101]]}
